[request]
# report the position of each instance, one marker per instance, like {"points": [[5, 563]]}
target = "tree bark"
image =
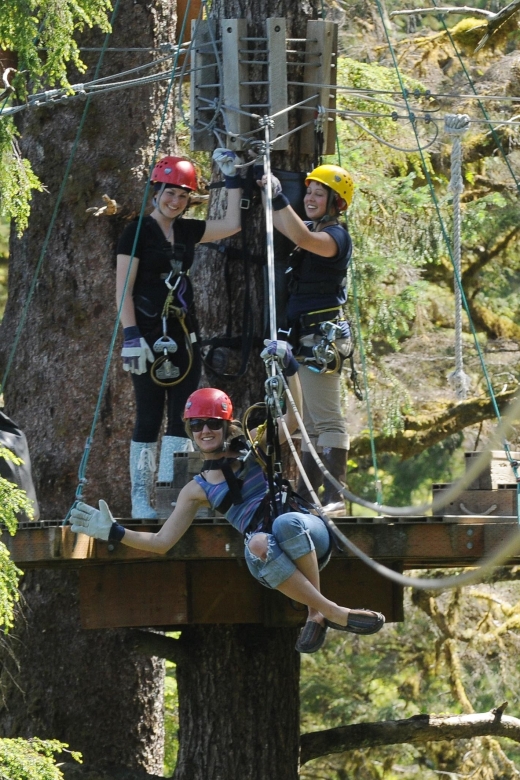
{"points": [[84, 687], [238, 703]]}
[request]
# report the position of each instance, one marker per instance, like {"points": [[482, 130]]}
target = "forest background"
{"points": [[455, 652]]}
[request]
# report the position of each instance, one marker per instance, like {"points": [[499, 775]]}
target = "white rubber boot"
{"points": [[170, 445], [142, 471]]}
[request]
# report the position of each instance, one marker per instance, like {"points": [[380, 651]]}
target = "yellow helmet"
{"points": [[337, 179]]}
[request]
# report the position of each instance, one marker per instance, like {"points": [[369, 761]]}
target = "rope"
{"points": [[503, 553], [57, 205], [440, 501], [86, 453], [426, 172], [472, 86], [456, 125], [377, 481]]}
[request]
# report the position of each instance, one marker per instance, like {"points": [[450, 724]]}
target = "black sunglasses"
{"points": [[197, 424]]}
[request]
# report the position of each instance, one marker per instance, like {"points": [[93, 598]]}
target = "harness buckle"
{"points": [[245, 203]]}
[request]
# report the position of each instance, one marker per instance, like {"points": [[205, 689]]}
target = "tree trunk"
{"points": [[238, 685], [83, 687], [238, 703]]}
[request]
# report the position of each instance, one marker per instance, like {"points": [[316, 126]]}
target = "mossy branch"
{"points": [[422, 431], [416, 731]]}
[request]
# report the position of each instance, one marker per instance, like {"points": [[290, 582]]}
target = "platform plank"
{"points": [[419, 544]]}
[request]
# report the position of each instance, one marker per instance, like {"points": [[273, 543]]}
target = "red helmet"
{"points": [[175, 171], [209, 402]]}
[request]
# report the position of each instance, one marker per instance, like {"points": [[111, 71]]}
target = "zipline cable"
{"points": [[503, 553]]}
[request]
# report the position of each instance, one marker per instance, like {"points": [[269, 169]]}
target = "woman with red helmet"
{"points": [[160, 347], [284, 552], [319, 332]]}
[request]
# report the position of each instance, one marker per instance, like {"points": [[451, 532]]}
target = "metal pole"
{"points": [[268, 123]]}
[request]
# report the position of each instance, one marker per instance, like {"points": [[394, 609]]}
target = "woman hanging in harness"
{"points": [[284, 552], [160, 329], [319, 332]]}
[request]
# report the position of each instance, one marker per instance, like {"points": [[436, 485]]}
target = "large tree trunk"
{"points": [[84, 687], [238, 703], [238, 686]]}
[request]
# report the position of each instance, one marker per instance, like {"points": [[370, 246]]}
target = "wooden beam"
{"points": [[419, 543], [171, 594], [204, 83], [277, 70], [234, 74]]}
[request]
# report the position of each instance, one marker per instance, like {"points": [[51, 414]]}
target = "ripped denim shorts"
{"points": [[292, 536]]}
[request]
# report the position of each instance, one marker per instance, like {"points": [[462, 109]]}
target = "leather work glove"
{"points": [[346, 332], [279, 200], [135, 351], [283, 351], [276, 187], [98, 523], [226, 160]]}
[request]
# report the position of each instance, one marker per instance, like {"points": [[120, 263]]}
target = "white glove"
{"points": [[276, 186], [226, 160], [84, 519], [135, 353], [283, 351]]}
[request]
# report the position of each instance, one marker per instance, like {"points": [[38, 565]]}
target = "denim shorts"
{"points": [[292, 536]]}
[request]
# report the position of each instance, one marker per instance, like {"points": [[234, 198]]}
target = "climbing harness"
{"points": [[164, 371]]}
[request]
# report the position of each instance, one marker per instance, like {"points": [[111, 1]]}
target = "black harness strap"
{"points": [[234, 484]]}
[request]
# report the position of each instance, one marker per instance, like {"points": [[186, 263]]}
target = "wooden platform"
{"points": [[204, 578]]}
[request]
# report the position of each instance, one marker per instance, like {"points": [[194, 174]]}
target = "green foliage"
{"points": [[17, 179], [42, 33], [171, 719], [32, 759], [12, 500]]}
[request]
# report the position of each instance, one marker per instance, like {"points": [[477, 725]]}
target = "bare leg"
{"points": [[304, 585], [299, 588], [308, 565]]}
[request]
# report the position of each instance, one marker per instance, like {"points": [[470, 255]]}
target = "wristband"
{"points": [[280, 202], [233, 182], [131, 332], [292, 368], [116, 532]]}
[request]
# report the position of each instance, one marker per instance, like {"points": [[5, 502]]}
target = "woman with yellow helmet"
{"points": [[319, 332]]}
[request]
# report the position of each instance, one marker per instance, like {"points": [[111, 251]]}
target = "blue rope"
{"points": [[88, 444], [513, 463]]}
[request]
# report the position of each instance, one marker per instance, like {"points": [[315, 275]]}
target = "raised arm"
{"points": [[230, 224], [287, 221], [100, 524], [226, 160]]}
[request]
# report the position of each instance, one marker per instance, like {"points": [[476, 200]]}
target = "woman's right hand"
{"points": [[276, 187], [135, 351]]}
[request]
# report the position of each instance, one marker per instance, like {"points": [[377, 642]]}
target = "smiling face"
{"points": [[315, 200], [207, 439], [173, 201]]}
